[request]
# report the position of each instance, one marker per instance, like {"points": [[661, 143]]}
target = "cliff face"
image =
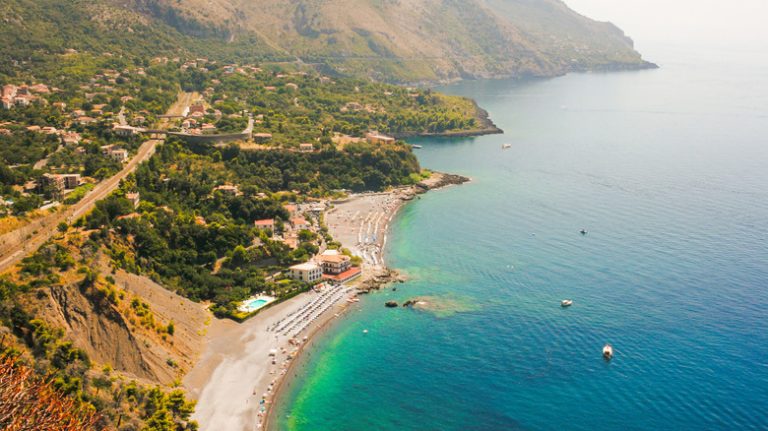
{"points": [[112, 334]]}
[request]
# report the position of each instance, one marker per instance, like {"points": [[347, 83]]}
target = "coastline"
{"points": [[374, 277], [487, 127], [246, 367]]}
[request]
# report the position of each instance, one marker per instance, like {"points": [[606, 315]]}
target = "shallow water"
{"points": [[668, 172]]}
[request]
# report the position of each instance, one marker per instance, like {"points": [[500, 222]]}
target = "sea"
{"points": [[667, 172]]}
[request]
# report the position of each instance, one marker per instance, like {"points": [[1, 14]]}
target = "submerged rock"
{"points": [[442, 306]]}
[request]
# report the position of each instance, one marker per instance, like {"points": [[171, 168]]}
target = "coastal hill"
{"points": [[389, 40], [411, 40]]}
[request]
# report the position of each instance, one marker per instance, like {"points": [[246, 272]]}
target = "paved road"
{"points": [[17, 244], [20, 242]]}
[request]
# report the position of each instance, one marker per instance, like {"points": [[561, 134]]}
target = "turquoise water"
{"points": [[255, 304], [668, 171]]}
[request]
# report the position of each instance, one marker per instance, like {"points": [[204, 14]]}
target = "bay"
{"points": [[667, 170]]}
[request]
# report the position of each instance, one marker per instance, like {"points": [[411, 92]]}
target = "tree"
{"points": [[28, 402]]}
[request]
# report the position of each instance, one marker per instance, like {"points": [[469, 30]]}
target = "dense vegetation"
{"points": [[202, 243], [94, 399]]}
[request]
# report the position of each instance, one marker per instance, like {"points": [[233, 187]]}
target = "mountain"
{"points": [[392, 40]]}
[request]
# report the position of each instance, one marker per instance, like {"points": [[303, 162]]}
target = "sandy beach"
{"points": [[361, 223], [236, 380]]}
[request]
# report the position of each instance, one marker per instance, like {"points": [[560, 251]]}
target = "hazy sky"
{"points": [[723, 22]]}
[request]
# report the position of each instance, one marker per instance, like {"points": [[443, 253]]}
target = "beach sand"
{"points": [[361, 223], [235, 372]]}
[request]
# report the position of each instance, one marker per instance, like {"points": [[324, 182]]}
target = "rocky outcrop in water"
{"points": [[439, 180]]}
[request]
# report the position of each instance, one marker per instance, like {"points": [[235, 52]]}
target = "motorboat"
{"points": [[607, 352], [566, 303], [506, 146], [583, 231], [416, 146]]}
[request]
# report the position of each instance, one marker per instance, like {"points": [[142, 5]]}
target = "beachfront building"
{"points": [[334, 263], [308, 272]]}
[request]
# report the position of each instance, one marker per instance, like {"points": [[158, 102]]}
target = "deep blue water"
{"points": [[668, 171]]}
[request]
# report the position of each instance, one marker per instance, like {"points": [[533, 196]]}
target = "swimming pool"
{"points": [[253, 304]]}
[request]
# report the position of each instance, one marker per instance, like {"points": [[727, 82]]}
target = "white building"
{"points": [[308, 272]]}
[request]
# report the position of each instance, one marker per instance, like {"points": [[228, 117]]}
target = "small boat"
{"points": [[416, 146], [566, 303], [607, 352], [506, 146], [365, 331], [583, 231]]}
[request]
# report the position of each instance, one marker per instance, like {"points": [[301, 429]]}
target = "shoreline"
{"points": [[374, 277], [246, 367], [486, 127]]}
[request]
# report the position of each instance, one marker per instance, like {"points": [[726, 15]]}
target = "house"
{"points": [[206, 127], [85, 120], [40, 88], [71, 138], [262, 137], [292, 209], [49, 130], [292, 86], [119, 154], [377, 138], [335, 264], [23, 100], [306, 148], [227, 189], [308, 272], [57, 183], [51, 183], [10, 91], [60, 105], [300, 223], [135, 198], [265, 224], [125, 131], [106, 149], [71, 181], [291, 240]]}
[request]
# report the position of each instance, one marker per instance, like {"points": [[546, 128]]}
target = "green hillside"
{"points": [[391, 40]]}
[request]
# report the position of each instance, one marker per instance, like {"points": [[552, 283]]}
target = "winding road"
{"points": [[17, 244]]}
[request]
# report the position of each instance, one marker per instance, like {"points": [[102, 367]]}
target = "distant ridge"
{"points": [[387, 40]]}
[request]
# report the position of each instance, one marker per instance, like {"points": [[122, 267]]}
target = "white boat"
{"points": [[607, 352], [365, 331], [416, 146], [506, 146], [566, 302]]}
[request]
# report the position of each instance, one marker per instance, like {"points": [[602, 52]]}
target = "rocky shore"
{"points": [[439, 180]]}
